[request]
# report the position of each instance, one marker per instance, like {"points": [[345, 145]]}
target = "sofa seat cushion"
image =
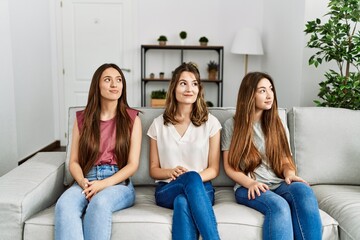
{"points": [[145, 220], [342, 202]]}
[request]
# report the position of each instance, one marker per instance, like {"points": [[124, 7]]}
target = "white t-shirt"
{"points": [[190, 150]]}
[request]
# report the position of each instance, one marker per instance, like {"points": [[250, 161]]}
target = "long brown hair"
{"points": [[200, 112], [243, 155], [89, 142]]}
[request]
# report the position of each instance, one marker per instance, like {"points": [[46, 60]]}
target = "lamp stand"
{"points": [[246, 63]]}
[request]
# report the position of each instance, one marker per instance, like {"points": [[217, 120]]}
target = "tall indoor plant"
{"points": [[338, 40]]}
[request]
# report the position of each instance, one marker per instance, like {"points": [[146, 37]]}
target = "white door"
{"points": [[94, 32]]}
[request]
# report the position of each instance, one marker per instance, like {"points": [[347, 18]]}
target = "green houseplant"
{"points": [[183, 35], [338, 40], [203, 41], [212, 68], [158, 98], [162, 40]]}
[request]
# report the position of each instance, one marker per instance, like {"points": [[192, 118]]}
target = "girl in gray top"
{"points": [[257, 157]]}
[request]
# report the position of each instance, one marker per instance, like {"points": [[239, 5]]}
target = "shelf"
{"points": [[182, 48], [168, 80], [185, 47]]}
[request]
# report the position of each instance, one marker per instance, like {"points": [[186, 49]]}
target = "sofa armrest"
{"points": [[28, 189]]}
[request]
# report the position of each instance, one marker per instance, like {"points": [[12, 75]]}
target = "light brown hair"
{"points": [[199, 114], [243, 155]]}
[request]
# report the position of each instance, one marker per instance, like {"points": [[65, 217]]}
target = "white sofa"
{"points": [[325, 144]]}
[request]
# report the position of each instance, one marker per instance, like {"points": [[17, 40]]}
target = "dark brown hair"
{"points": [[243, 155], [199, 114], [89, 142]]}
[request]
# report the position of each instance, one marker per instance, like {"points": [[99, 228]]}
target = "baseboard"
{"points": [[48, 148]]}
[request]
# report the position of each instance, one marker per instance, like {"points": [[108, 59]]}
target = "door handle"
{"points": [[126, 69]]}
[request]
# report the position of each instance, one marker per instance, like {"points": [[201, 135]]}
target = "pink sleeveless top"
{"points": [[107, 137]]}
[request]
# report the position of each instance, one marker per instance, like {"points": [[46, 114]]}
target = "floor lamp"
{"points": [[247, 42]]}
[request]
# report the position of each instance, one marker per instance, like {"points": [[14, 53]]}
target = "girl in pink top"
{"points": [[105, 153]]}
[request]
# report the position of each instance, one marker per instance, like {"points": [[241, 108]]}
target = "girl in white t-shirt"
{"points": [[184, 156]]}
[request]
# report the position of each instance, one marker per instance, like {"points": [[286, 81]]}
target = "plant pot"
{"points": [[162, 43], [158, 102], [203, 44], [182, 42], [213, 75]]}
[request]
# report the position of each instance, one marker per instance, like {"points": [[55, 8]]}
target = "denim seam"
{"points": [[297, 214]]}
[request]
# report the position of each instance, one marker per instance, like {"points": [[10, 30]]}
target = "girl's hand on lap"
{"points": [[256, 189], [176, 172]]}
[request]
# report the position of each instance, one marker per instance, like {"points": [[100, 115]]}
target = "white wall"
{"points": [[311, 75], [28, 88], [283, 35], [8, 143]]}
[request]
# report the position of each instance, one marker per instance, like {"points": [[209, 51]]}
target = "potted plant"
{"points": [[162, 40], [203, 41], [212, 69], [338, 40], [209, 104], [161, 75], [158, 98], [183, 36]]}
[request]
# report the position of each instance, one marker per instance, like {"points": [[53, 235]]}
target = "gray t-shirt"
{"points": [[263, 173]]}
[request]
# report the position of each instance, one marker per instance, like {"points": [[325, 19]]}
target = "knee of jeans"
{"points": [[181, 203], [62, 210], [193, 176], [303, 194], [281, 209], [98, 203]]}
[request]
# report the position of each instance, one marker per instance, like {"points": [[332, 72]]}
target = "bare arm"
{"points": [[212, 171], [290, 173], [254, 187], [74, 166], [156, 171]]}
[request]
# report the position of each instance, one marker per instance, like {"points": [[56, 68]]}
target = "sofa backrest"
{"points": [[326, 144], [147, 115]]}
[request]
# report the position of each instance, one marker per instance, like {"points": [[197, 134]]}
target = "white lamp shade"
{"points": [[247, 41]]}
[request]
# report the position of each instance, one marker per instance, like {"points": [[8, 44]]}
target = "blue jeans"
{"points": [[77, 218], [192, 202], [290, 211]]}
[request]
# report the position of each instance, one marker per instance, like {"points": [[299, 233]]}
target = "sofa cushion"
{"points": [[145, 220], [326, 144], [342, 202]]}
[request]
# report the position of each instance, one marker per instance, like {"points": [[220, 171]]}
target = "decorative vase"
{"points": [[158, 102], [213, 75]]}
